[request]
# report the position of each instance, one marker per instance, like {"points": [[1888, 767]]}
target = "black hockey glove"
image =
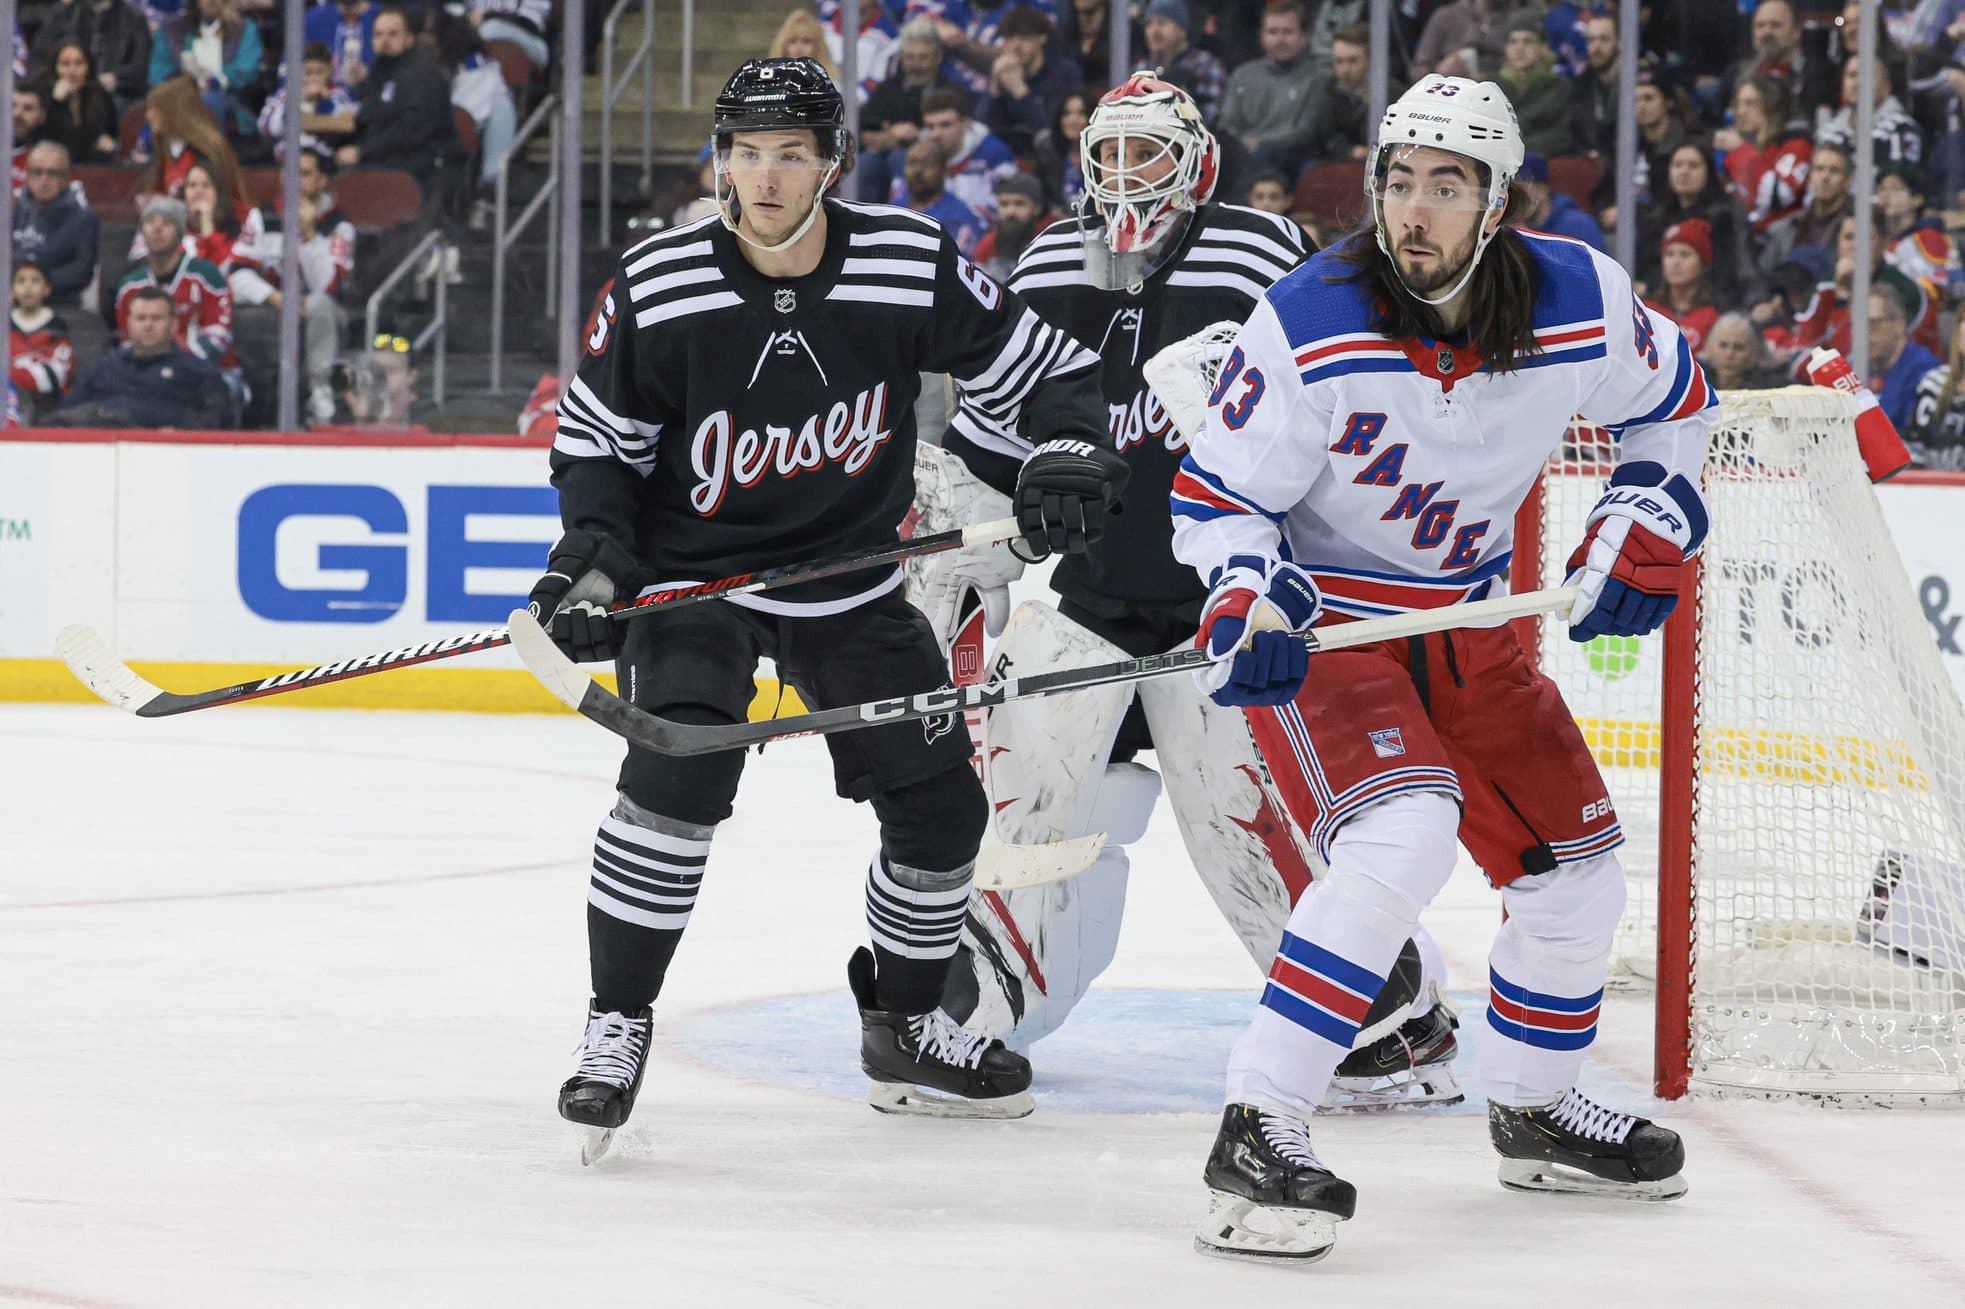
{"points": [[585, 573], [1064, 493]]}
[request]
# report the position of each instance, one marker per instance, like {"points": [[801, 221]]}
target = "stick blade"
{"points": [[88, 657], [1003, 867], [543, 659]]}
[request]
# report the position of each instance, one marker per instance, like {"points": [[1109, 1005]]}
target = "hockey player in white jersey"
{"points": [[1376, 426], [1148, 261]]}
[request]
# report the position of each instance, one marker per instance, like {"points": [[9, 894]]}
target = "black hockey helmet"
{"points": [[781, 94]]}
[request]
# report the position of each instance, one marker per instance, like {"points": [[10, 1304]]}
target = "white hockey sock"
{"points": [[1386, 863], [1545, 979]]}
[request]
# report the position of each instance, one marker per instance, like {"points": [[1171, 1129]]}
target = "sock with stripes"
{"points": [[646, 871], [1545, 979], [915, 918], [1345, 933]]}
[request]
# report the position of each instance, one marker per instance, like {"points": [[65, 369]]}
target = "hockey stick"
{"points": [[88, 656], [580, 692]]}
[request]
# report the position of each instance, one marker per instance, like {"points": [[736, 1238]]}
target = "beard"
{"points": [[1012, 235], [1445, 269]]}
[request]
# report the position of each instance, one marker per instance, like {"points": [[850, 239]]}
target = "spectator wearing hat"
{"points": [[1027, 81], [1528, 75], [1269, 101], [1186, 65], [1550, 210], [151, 381], [1020, 217], [1462, 39], [1685, 294], [924, 183], [1340, 104], [973, 157], [201, 301], [40, 352], [52, 227]]}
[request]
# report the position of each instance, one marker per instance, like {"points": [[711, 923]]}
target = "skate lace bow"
{"points": [[939, 1036], [1592, 1120], [610, 1048], [1290, 1138]]}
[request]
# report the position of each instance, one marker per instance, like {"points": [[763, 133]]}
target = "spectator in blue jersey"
{"points": [[971, 34], [1553, 212], [975, 157], [1028, 80], [1896, 363], [1169, 24], [347, 29], [925, 190]]}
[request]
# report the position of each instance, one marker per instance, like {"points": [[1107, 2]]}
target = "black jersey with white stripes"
{"points": [[722, 421], [1227, 258]]}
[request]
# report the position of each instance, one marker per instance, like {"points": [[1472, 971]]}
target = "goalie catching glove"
{"points": [[585, 573], [949, 496], [1248, 627], [1064, 492], [1632, 558]]}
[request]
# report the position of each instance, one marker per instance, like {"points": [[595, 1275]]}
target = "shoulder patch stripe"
{"points": [[668, 254], [641, 290], [894, 236], [1065, 277], [882, 295], [891, 212], [665, 237], [888, 268], [700, 304], [1254, 241], [1362, 342]]}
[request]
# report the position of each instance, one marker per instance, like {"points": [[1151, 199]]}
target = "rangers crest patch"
{"points": [[1387, 744]]}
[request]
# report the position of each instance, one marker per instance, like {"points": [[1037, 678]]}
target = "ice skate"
{"points": [[1576, 1147], [600, 1095], [1269, 1196], [926, 1064], [1409, 1066]]}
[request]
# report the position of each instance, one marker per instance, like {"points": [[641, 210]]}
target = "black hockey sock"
{"points": [[915, 918], [646, 872]]}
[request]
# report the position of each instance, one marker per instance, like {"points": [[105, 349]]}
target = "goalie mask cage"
{"points": [[1787, 758]]}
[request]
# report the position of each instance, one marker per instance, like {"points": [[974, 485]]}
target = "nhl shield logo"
{"points": [[1387, 744], [784, 301], [1446, 360]]}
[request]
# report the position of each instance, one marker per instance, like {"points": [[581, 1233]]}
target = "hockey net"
{"points": [[1788, 761]]}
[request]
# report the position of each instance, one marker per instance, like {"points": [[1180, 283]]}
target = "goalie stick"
{"points": [[580, 692], [88, 656]]}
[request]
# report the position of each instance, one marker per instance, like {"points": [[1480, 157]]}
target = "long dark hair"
{"points": [[1502, 291]]}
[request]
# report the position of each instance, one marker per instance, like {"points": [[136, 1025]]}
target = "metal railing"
{"points": [[688, 53], [611, 89], [505, 234], [431, 247]]}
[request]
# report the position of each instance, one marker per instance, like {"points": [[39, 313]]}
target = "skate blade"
{"points": [[1239, 1228], [926, 1102], [595, 1142], [1539, 1175], [1409, 1089]]}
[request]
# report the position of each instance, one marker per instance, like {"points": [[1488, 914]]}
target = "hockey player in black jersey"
{"points": [[1148, 262], [746, 398]]}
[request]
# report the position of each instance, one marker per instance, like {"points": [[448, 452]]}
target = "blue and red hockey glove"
{"points": [[1632, 559], [1248, 627]]}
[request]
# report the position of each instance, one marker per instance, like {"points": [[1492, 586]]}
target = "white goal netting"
{"points": [[1827, 822]]}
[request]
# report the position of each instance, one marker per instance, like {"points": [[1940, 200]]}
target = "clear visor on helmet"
{"points": [[750, 158], [1428, 178]]}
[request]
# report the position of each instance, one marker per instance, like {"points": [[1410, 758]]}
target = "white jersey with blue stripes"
{"points": [[1392, 469]]}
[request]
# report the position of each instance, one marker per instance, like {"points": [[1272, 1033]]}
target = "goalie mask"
{"points": [[778, 95], [1149, 162], [1455, 114]]}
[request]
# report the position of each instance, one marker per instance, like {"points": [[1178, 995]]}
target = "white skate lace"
{"points": [[1290, 1138], [611, 1049], [938, 1036], [1591, 1121]]}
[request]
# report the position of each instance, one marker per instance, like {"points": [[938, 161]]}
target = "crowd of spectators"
{"points": [[1745, 122], [184, 97]]}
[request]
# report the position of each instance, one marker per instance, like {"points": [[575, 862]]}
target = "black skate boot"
{"points": [[1269, 1196], [926, 1063], [601, 1093], [1409, 1066], [1581, 1148]]}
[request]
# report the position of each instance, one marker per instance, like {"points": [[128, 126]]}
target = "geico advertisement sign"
{"points": [[347, 552]]}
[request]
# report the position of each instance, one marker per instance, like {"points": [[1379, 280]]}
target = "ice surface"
{"points": [[285, 997]]}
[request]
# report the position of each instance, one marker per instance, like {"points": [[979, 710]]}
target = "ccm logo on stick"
{"points": [[361, 538]]}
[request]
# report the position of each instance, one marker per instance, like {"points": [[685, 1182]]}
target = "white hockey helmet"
{"points": [[1469, 118], [1139, 216]]}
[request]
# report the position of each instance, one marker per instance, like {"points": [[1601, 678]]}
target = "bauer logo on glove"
{"points": [[1249, 630], [1633, 554]]}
